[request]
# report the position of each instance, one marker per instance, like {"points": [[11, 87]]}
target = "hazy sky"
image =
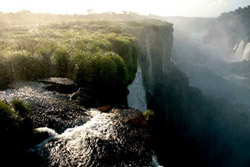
{"points": [[199, 8]]}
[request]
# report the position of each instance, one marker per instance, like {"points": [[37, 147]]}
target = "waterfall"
{"points": [[246, 53], [235, 47], [242, 51], [239, 51], [137, 96], [155, 162]]}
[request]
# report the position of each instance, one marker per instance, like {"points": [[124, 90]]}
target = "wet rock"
{"points": [[62, 85], [105, 108], [50, 109], [131, 116], [85, 137], [82, 97]]}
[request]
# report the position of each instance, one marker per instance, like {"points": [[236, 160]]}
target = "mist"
{"points": [[157, 84], [207, 53]]}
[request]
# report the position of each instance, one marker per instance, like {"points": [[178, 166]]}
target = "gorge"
{"points": [[126, 90]]}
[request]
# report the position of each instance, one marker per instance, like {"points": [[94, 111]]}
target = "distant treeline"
{"points": [[23, 18]]}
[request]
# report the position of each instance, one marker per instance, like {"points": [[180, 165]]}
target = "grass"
{"points": [[99, 55]]}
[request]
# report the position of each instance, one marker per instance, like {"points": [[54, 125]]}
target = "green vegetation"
{"points": [[9, 119], [12, 117], [148, 114], [98, 55], [22, 108], [16, 127]]}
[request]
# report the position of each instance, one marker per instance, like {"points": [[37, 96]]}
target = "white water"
{"points": [[137, 96], [51, 132], [25, 90], [155, 162], [246, 53], [242, 52], [235, 47], [239, 51], [72, 146]]}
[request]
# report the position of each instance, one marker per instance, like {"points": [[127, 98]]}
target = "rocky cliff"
{"points": [[181, 112], [103, 64]]}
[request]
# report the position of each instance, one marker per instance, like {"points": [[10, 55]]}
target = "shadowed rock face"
{"points": [[63, 85], [108, 139]]}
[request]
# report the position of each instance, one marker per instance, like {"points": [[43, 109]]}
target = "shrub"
{"points": [[24, 66], [61, 61], [5, 74], [9, 120], [148, 114], [127, 49], [102, 73], [96, 55], [21, 107], [16, 131], [84, 69]]}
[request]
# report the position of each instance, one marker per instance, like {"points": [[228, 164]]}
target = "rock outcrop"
{"points": [[63, 85]]}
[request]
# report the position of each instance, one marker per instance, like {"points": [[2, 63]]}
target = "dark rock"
{"points": [[105, 108], [82, 97], [52, 110], [131, 116], [62, 85]]}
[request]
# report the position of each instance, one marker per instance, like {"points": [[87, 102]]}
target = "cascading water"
{"points": [[137, 95], [235, 47], [240, 50], [246, 53], [155, 162]]}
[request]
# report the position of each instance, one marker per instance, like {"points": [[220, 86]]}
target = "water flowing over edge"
{"points": [[137, 95]]}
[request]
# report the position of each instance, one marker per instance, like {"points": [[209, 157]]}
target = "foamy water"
{"points": [[25, 90]]}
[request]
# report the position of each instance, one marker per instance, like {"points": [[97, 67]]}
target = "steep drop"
{"points": [[137, 96]]}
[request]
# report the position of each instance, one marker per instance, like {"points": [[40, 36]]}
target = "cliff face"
{"points": [[167, 93], [155, 40], [179, 109], [158, 71]]}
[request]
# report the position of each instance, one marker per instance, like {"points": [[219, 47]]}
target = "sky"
{"points": [[191, 8]]}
